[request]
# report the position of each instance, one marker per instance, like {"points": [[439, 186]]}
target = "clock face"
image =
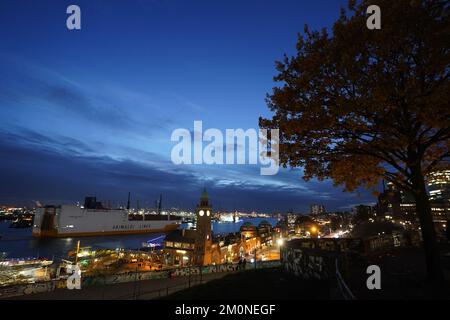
{"points": [[208, 213], [201, 213]]}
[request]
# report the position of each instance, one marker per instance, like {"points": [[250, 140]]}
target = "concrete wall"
{"points": [[222, 268], [307, 263], [25, 289], [19, 290]]}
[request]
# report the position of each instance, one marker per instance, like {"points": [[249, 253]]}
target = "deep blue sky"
{"points": [[92, 111]]}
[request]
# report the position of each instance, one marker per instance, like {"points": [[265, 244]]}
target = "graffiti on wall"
{"points": [[304, 263], [228, 267], [124, 277], [203, 270], [19, 290], [31, 288]]}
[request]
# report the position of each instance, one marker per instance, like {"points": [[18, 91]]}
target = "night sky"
{"points": [[91, 112]]}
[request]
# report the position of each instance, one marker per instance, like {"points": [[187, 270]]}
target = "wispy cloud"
{"points": [[31, 87], [70, 169]]}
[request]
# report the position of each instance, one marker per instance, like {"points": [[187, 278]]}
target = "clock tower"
{"points": [[203, 239]]}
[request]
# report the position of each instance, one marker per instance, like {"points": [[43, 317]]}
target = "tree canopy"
{"points": [[358, 105]]}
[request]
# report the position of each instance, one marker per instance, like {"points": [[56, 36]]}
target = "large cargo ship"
{"points": [[93, 219]]}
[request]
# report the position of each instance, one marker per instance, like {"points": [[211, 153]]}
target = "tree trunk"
{"points": [[432, 258]]}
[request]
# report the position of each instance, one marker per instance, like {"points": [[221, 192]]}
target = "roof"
{"points": [[204, 195], [247, 227], [264, 223], [177, 236]]}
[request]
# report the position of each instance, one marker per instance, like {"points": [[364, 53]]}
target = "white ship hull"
{"points": [[74, 221]]}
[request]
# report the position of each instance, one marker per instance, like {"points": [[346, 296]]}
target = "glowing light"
{"points": [[280, 242]]}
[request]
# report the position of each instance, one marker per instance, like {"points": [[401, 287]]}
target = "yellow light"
{"points": [[280, 242], [313, 229]]}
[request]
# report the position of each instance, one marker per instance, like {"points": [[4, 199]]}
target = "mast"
{"points": [[160, 203]]}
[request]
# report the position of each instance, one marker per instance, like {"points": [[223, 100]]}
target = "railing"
{"points": [[161, 292], [344, 289], [193, 280]]}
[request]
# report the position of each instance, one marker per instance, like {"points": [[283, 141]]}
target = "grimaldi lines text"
{"points": [[93, 219]]}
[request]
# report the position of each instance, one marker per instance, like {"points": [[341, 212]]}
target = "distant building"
{"points": [[305, 226], [439, 186], [439, 189], [364, 213], [408, 206], [388, 205], [317, 209], [401, 205], [265, 232]]}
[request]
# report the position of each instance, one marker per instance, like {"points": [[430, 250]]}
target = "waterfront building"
{"points": [[203, 239], [193, 246], [199, 247], [179, 246], [248, 230]]}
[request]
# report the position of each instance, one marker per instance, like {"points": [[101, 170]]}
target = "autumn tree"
{"points": [[358, 105]]}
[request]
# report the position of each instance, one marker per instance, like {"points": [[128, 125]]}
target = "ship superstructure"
{"points": [[93, 219]]}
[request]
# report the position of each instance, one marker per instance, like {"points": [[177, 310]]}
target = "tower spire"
{"points": [[204, 199]]}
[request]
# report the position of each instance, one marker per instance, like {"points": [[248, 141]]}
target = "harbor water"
{"points": [[18, 243]]}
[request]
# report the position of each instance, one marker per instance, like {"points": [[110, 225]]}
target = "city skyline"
{"points": [[187, 153], [84, 115]]}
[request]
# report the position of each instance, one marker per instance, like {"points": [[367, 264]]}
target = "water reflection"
{"points": [[19, 242]]}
